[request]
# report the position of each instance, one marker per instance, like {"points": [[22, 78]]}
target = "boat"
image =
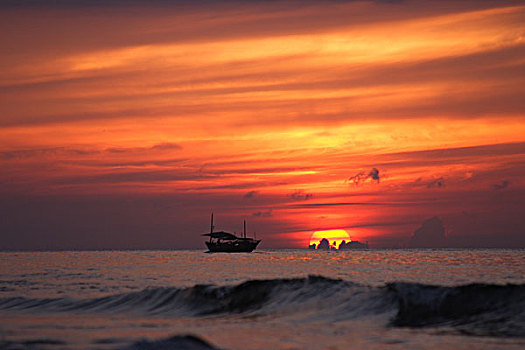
{"points": [[225, 242]]}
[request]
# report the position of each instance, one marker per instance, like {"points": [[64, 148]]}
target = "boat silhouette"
{"points": [[225, 242]]}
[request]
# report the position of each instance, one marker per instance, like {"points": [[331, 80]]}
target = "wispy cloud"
{"points": [[439, 182], [503, 184], [250, 195], [361, 177], [264, 214], [300, 195]]}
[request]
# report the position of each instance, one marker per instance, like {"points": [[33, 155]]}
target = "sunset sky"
{"points": [[124, 124]]}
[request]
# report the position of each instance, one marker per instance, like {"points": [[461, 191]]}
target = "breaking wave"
{"points": [[477, 309]]}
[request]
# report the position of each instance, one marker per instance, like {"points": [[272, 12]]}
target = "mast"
{"points": [[244, 228], [211, 225]]}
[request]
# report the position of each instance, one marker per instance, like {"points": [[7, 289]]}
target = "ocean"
{"points": [[268, 299]]}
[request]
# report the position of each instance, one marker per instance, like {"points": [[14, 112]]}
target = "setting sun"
{"points": [[334, 237]]}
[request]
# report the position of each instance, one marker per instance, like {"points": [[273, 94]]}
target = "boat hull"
{"points": [[232, 246]]}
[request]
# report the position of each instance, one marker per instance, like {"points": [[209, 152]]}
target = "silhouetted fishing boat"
{"points": [[225, 242]]}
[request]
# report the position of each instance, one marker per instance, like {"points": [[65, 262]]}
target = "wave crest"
{"points": [[478, 309]]}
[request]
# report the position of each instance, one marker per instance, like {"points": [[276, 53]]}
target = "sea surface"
{"points": [[269, 299]]}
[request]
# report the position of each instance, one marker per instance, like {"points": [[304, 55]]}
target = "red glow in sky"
{"points": [[123, 125]]}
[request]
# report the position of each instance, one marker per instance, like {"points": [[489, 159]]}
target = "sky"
{"points": [[125, 124]]}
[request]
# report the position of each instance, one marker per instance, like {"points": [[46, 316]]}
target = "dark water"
{"points": [[284, 299]]}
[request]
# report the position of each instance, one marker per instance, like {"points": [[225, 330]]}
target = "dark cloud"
{"points": [[461, 156], [503, 184], [361, 177], [116, 150], [67, 151], [123, 164], [121, 177], [375, 223], [44, 152], [431, 234], [232, 170], [239, 186], [166, 146], [157, 147], [250, 194], [71, 4], [498, 149], [263, 214], [374, 174], [357, 178], [439, 182], [469, 67], [314, 205], [300, 195]]}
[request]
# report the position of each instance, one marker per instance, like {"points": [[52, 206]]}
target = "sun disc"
{"points": [[334, 237]]}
